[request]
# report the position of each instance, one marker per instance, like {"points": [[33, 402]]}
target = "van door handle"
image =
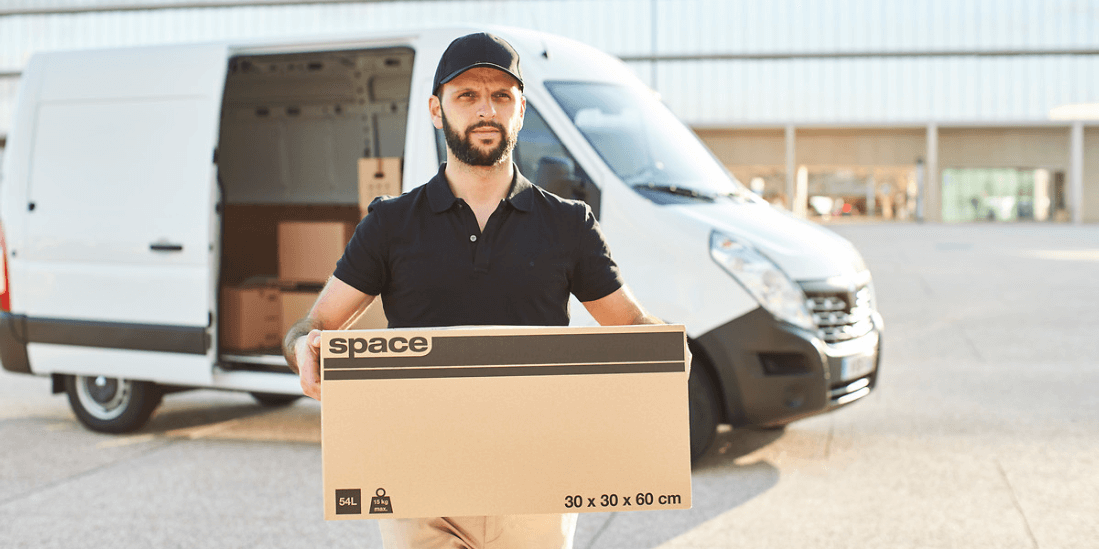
{"points": [[165, 247]]}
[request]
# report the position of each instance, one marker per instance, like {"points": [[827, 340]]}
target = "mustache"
{"points": [[485, 124]]}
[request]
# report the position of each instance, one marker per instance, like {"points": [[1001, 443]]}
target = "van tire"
{"points": [[705, 409], [274, 400], [110, 405]]}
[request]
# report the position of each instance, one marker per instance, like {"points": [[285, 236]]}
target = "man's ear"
{"points": [[436, 109], [522, 110]]}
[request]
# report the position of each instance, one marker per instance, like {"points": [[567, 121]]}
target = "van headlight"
{"points": [[763, 279]]}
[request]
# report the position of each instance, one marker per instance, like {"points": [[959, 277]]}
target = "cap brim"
{"points": [[456, 73]]}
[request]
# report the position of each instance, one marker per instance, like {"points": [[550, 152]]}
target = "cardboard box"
{"points": [[294, 305], [309, 250], [504, 420], [249, 318], [378, 177]]}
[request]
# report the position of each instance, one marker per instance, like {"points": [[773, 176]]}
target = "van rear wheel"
{"points": [[111, 405]]}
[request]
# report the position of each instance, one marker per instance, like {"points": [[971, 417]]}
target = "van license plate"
{"points": [[857, 366]]}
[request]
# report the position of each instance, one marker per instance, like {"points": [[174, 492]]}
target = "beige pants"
{"points": [[496, 532]]}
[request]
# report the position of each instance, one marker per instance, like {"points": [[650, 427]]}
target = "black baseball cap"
{"points": [[476, 50]]}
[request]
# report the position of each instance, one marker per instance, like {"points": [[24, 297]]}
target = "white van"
{"points": [[138, 182]]}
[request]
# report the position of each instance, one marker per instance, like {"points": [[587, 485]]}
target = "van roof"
{"points": [[549, 56]]}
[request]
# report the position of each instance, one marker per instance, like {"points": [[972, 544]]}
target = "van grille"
{"points": [[841, 316]]}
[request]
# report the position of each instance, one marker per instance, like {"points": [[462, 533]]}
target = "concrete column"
{"points": [[801, 193], [871, 194], [791, 166], [932, 191], [1076, 173]]}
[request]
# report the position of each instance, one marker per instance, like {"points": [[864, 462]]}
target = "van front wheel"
{"points": [[705, 409], [111, 405]]}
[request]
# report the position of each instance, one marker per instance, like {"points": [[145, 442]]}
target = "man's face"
{"points": [[480, 113]]}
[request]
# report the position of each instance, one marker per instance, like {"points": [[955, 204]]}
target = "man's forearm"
{"points": [[299, 329], [643, 317]]}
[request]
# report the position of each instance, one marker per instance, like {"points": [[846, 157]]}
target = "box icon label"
{"points": [[349, 502]]}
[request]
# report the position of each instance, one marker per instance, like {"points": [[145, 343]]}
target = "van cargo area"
{"points": [[294, 127]]}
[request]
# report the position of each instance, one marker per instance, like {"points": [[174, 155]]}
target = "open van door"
{"points": [[116, 273]]}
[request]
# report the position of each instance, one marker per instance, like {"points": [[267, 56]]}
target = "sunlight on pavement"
{"points": [[300, 423], [1064, 255]]}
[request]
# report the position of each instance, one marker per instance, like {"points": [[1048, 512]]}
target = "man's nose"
{"points": [[485, 109]]}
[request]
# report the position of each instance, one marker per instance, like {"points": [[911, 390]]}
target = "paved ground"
{"points": [[984, 432]]}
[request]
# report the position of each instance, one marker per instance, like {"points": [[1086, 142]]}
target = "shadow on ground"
{"points": [[190, 410], [718, 484]]}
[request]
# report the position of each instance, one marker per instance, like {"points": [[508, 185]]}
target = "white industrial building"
{"points": [[951, 110]]}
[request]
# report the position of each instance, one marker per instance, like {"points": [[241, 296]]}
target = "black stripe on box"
{"points": [[503, 371], [532, 349]]}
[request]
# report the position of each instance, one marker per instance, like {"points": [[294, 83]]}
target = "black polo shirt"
{"points": [[424, 253]]}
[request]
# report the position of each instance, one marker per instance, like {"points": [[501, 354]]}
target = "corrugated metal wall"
{"points": [[762, 62], [887, 91]]}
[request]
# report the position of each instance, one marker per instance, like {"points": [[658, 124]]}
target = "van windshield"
{"points": [[645, 144]]}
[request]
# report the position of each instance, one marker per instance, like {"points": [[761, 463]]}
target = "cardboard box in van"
{"points": [[294, 304], [504, 420], [378, 177], [373, 318], [250, 318], [308, 250]]}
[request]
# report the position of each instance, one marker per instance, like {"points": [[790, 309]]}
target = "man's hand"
{"points": [[307, 351], [336, 306]]}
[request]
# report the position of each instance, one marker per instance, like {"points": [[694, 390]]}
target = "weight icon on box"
{"points": [[380, 503]]}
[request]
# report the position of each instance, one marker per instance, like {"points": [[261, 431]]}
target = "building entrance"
{"points": [[1002, 194]]}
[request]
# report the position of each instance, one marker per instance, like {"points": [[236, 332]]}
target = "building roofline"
{"points": [[177, 5]]}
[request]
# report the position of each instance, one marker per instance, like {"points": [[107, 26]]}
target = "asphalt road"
{"points": [[983, 432]]}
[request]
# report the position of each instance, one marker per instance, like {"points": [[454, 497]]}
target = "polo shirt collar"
{"points": [[441, 198]]}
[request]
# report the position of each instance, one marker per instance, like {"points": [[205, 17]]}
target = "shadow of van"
{"points": [[192, 414]]}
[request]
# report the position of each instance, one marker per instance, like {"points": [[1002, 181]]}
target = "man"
{"points": [[476, 245]]}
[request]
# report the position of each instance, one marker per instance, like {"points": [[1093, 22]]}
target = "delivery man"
{"points": [[478, 244]]}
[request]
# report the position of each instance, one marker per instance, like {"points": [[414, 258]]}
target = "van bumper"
{"points": [[13, 343], [771, 373]]}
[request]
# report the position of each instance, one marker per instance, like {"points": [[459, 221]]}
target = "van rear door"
{"points": [[121, 225]]}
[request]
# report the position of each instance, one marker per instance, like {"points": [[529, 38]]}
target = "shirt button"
{"points": [[473, 238]]}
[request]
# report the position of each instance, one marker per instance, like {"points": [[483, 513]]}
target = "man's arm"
{"points": [[620, 308], [337, 304]]}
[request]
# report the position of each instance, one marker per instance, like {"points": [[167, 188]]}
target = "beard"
{"points": [[466, 153]]}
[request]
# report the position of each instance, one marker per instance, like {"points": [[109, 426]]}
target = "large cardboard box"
{"points": [[504, 420], [378, 177], [249, 318], [309, 250]]}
